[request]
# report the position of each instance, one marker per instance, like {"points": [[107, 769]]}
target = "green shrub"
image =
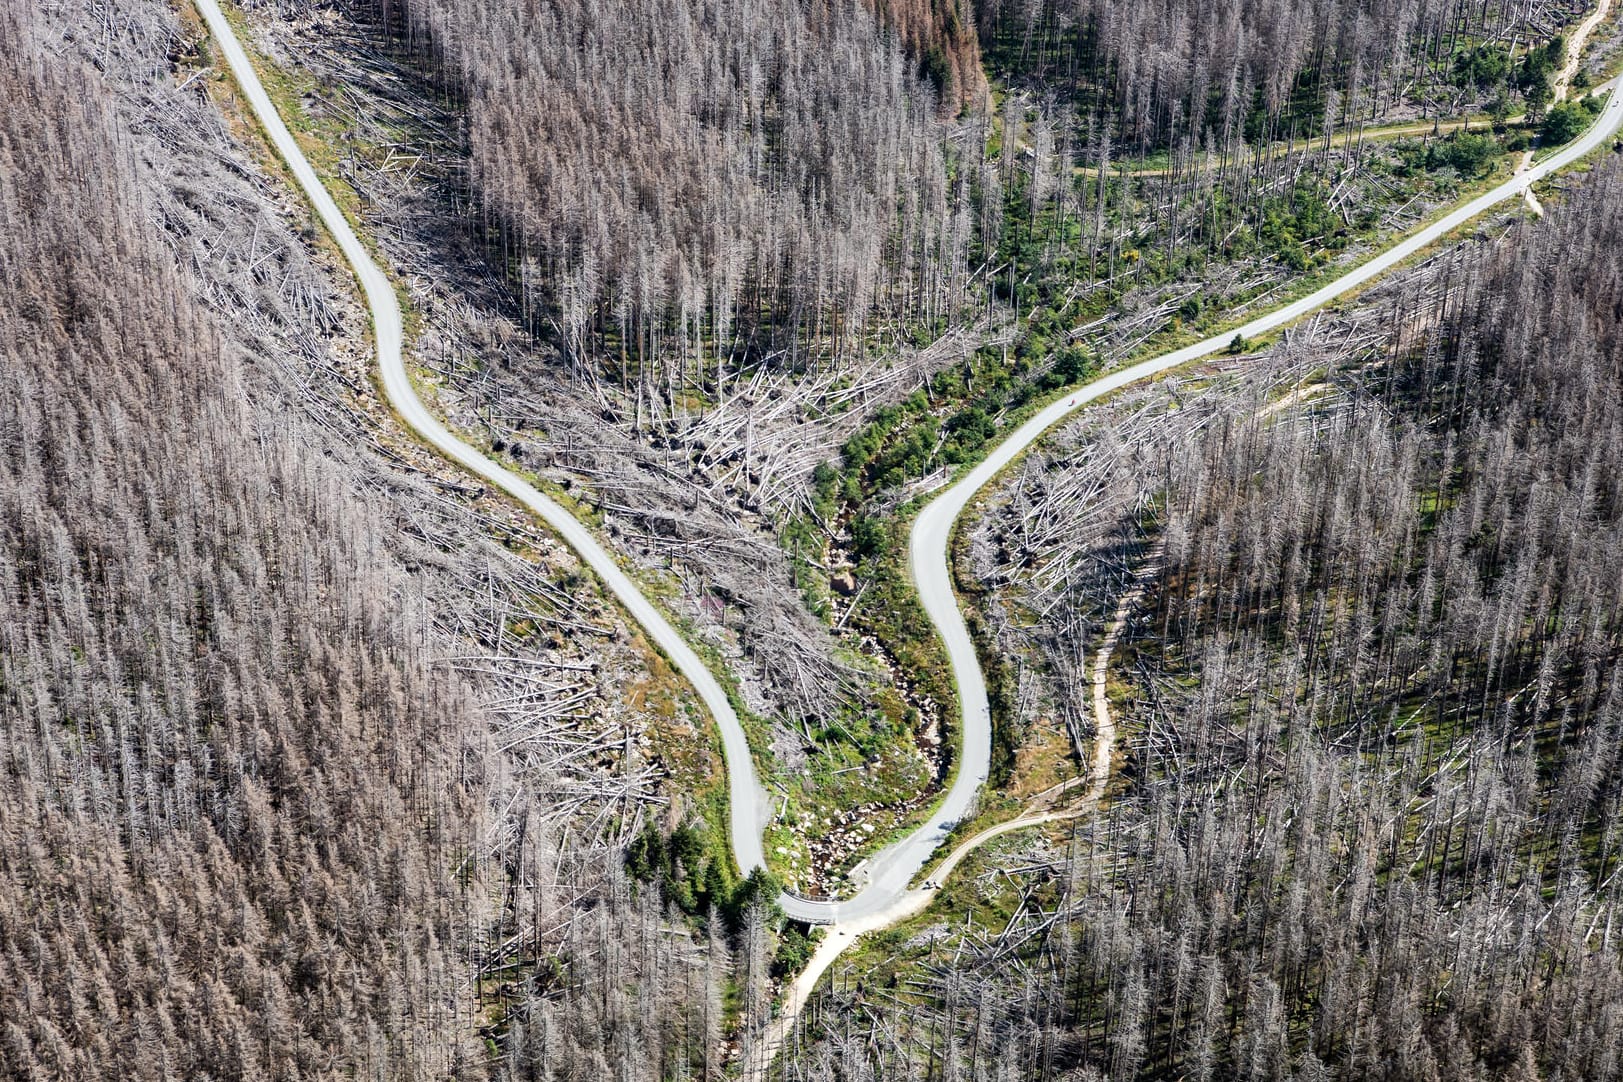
{"points": [[794, 950], [1563, 123], [681, 863], [1469, 153], [760, 888], [869, 538], [1484, 66]]}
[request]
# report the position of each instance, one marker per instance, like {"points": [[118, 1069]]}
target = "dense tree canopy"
{"points": [[701, 181], [232, 796]]}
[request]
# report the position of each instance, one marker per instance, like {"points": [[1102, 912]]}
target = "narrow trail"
{"points": [[1104, 726], [1368, 135], [1575, 48], [1563, 84], [1561, 87], [888, 897], [1038, 811]]}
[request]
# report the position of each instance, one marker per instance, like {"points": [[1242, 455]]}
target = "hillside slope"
{"points": [[236, 789]]}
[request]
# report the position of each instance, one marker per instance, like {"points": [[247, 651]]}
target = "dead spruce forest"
{"points": [[319, 759]]}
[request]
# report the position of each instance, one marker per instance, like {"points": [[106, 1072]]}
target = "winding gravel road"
{"points": [[932, 531], [885, 897], [750, 804]]}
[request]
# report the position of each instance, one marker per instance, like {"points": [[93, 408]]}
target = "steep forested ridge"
{"points": [[305, 774], [681, 188]]}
